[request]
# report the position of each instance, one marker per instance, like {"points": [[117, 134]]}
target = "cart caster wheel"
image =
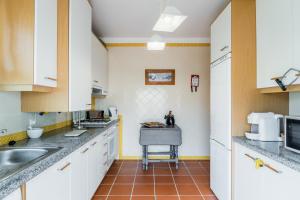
{"points": [[176, 166]]}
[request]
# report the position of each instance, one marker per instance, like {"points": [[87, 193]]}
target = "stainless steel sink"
{"points": [[13, 160]]}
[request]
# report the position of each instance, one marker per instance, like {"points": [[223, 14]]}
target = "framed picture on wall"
{"points": [[159, 76]]}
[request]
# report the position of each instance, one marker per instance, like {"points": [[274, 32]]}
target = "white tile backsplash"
{"points": [[12, 119], [295, 103]]}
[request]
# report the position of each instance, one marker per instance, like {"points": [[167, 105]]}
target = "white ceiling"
{"points": [[121, 19]]}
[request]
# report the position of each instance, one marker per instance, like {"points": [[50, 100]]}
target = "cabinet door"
{"points": [[16, 195], [54, 183], [274, 29], [221, 35], [45, 43], [79, 179], [80, 55], [246, 178], [296, 42]]}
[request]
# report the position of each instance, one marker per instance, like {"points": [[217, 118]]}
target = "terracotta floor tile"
{"points": [[103, 190], [167, 198], [191, 198], [99, 198], [162, 171], [124, 180], [127, 171], [113, 171], [205, 189], [180, 172], [144, 180], [187, 190], [210, 198], [108, 180], [143, 190], [148, 172], [158, 165], [197, 171], [121, 190], [118, 198], [165, 190], [143, 198], [201, 179], [192, 164], [183, 180], [164, 180]]}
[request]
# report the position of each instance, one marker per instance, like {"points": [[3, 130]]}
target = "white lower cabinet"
{"points": [[79, 174], [16, 195], [54, 183], [275, 182]]}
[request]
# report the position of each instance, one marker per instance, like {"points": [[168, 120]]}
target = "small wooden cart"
{"points": [[169, 135]]}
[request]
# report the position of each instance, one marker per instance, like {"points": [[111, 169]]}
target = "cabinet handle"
{"points": [[105, 144], [23, 191], [272, 168], [96, 81], [51, 79], [84, 151], [105, 163], [94, 143], [88, 104], [252, 158], [64, 167], [223, 49], [105, 154]]}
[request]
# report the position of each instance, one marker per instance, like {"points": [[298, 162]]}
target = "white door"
{"points": [[80, 55], [54, 183], [296, 38], [79, 179], [221, 35], [220, 170], [275, 31], [221, 102], [45, 43]]}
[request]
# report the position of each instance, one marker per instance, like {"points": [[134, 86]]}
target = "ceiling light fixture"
{"points": [[156, 43], [169, 20]]}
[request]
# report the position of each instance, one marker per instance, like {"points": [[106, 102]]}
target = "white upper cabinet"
{"points": [[278, 42], [99, 64], [80, 55], [221, 34], [45, 43], [28, 50]]}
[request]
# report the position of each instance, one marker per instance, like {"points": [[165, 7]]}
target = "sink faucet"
{"points": [[3, 131]]}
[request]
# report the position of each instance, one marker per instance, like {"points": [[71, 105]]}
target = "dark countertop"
{"points": [[54, 138], [272, 150]]}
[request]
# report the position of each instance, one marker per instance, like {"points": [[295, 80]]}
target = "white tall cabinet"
{"points": [[80, 55], [99, 65], [278, 42]]}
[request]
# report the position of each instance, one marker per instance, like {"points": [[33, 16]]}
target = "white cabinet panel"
{"points": [[221, 35], [80, 55], [221, 102], [79, 173], [45, 43], [220, 170], [99, 64], [262, 183], [54, 183], [277, 28]]}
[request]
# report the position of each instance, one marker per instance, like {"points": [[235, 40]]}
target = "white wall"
{"points": [[295, 103], [12, 119], [139, 103]]}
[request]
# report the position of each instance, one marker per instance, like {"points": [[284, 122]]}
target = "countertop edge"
{"points": [[290, 163], [9, 185]]}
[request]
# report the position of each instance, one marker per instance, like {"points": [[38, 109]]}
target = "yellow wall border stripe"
{"points": [[108, 45], [23, 135]]}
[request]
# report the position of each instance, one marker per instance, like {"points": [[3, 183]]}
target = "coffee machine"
{"points": [[265, 126]]}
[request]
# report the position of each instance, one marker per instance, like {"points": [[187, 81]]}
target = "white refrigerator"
{"points": [[220, 137]]}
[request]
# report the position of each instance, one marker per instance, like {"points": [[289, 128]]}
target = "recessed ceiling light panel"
{"points": [[170, 19]]}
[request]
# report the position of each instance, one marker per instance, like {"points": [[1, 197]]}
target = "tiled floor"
{"points": [[127, 181]]}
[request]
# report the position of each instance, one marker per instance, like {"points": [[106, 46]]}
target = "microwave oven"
{"points": [[292, 133]]}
